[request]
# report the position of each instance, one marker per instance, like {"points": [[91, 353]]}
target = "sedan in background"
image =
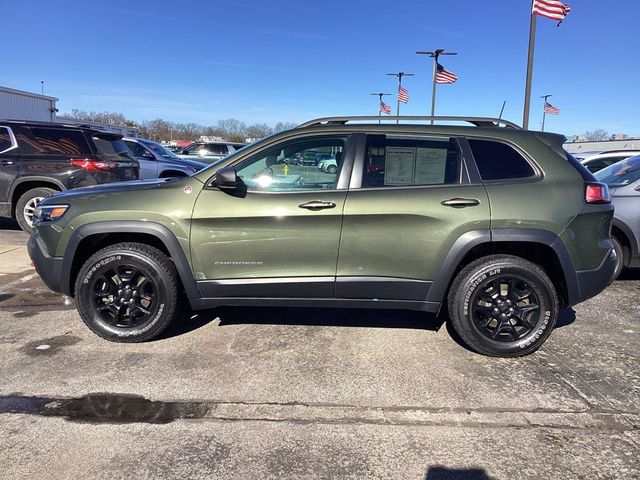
{"points": [[209, 152], [156, 161], [595, 163], [623, 179]]}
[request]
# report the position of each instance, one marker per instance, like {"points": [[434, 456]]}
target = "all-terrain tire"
{"points": [[127, 292], [27, 202], [489, 297]]}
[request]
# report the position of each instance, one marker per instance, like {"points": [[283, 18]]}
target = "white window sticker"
{"points": [[430, 166], [399, 165]]}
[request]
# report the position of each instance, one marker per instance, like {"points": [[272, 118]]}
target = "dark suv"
{"points": [[38, 159], [497, 225]]}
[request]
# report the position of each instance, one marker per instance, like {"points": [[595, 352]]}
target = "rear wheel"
{"points": [[26, 205], [503, 306], [620, 254], [332, 169], [127, 292]]}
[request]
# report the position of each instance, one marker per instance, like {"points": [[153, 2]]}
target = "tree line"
{"points": [[161, 130]]}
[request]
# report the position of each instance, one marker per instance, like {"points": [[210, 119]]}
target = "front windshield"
{"points": [[162, 151], [620, 173]]}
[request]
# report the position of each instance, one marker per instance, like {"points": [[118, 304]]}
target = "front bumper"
{"points": [[49, 268], [592, 282]]}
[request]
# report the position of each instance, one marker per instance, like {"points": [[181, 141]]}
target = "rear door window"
{"points": [[137, 149], [397, 161], [499, 161], [53, 141], [216, 149], [110, 148]]}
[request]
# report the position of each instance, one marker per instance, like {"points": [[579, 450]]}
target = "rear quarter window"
{"points": [[499, 161]]}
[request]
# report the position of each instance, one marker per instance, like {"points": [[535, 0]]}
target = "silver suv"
{"points": [[209, 152]]}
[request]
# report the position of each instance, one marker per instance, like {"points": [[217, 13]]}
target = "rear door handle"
{"points": [[317, 205], [461, 202], [7, 162]]}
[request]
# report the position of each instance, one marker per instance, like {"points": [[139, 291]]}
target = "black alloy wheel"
{"points": [[503, 306], [125, 296], [505, 309], [127, 292]]}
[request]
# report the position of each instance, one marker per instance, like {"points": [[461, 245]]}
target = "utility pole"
{"points": [[435, 54], [544, 111], [527, 88], [399, 75], [380, 95]]}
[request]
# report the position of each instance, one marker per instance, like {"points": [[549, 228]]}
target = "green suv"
{"points": [[495, 225]]}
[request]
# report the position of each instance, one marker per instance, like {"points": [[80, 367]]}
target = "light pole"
{"points": [[380, 95], [42, 87], [399, 75], [544, 110], [435, 54]]}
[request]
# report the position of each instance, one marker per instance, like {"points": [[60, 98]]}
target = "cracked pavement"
{"points": [[311, 393]]}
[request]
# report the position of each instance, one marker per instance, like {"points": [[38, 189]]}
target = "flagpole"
{"points": [[398, 98], [527, 90], [544, 110], [433, 88]]}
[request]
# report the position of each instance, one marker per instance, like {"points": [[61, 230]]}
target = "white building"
{"points": [[21, 105]]}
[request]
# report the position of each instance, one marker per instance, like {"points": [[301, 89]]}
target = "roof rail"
{"points": [[477, 121]]}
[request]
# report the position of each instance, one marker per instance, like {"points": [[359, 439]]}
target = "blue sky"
{"points": [[291, 60]]}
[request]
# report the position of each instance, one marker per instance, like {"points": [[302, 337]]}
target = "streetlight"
{"points": [[399, 75], [380, 95], [544, 110], [435, 55]]}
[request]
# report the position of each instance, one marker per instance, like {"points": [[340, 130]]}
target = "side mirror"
{"points": [[148, 155], [185, 152], [226, 178]]}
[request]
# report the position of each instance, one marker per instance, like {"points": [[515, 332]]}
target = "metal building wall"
{"points": [[20, 105]]}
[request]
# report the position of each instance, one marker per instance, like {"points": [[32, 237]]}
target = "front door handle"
{"points": [[7, 162], [317, 205], [461, 202]]}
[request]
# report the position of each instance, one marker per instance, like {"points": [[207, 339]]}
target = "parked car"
{"points": [[38, 159], [602, 160], [156, 161], [209, 152], [329, 165], [623, 179], [482, 221]]}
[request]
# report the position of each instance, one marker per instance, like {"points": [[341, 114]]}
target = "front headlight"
{"points": [[47, 213]]}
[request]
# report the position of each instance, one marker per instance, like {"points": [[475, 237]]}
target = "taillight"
{"points": [[93, 165], [597, 193]]}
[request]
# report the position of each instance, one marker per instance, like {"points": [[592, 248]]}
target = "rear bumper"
{"points": [[49, 268], [591, 282]]}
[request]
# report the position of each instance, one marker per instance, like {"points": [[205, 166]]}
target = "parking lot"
{"points": [[311, 393]]}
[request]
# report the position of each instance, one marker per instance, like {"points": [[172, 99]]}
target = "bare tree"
{"points": [[258, 130], [280, 126], [596, 135]]}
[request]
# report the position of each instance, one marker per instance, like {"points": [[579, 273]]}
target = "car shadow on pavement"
{"points": [[328, 317], [438, 472], [629, 274]]}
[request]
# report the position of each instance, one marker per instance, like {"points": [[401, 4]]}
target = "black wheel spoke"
{"points": [[124, 295], [505, 309]]}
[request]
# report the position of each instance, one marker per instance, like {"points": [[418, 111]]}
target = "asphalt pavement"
{"points": [[276, 393]]}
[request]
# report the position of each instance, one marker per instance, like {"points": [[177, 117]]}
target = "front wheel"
{"points": [[127, 292], [503, 306]]}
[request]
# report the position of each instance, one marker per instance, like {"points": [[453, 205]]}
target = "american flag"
{"points": [[548, 108], [444, 76], [553, 9], [403, 94], [384, 108]]}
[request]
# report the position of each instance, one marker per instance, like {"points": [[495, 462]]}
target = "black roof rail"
{"points": [[476, 121]]}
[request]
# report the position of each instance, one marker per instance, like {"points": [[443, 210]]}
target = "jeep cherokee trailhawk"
{"points": [[495, 225]]}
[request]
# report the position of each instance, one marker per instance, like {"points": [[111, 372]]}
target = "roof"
{"points": [[26, 94]]}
